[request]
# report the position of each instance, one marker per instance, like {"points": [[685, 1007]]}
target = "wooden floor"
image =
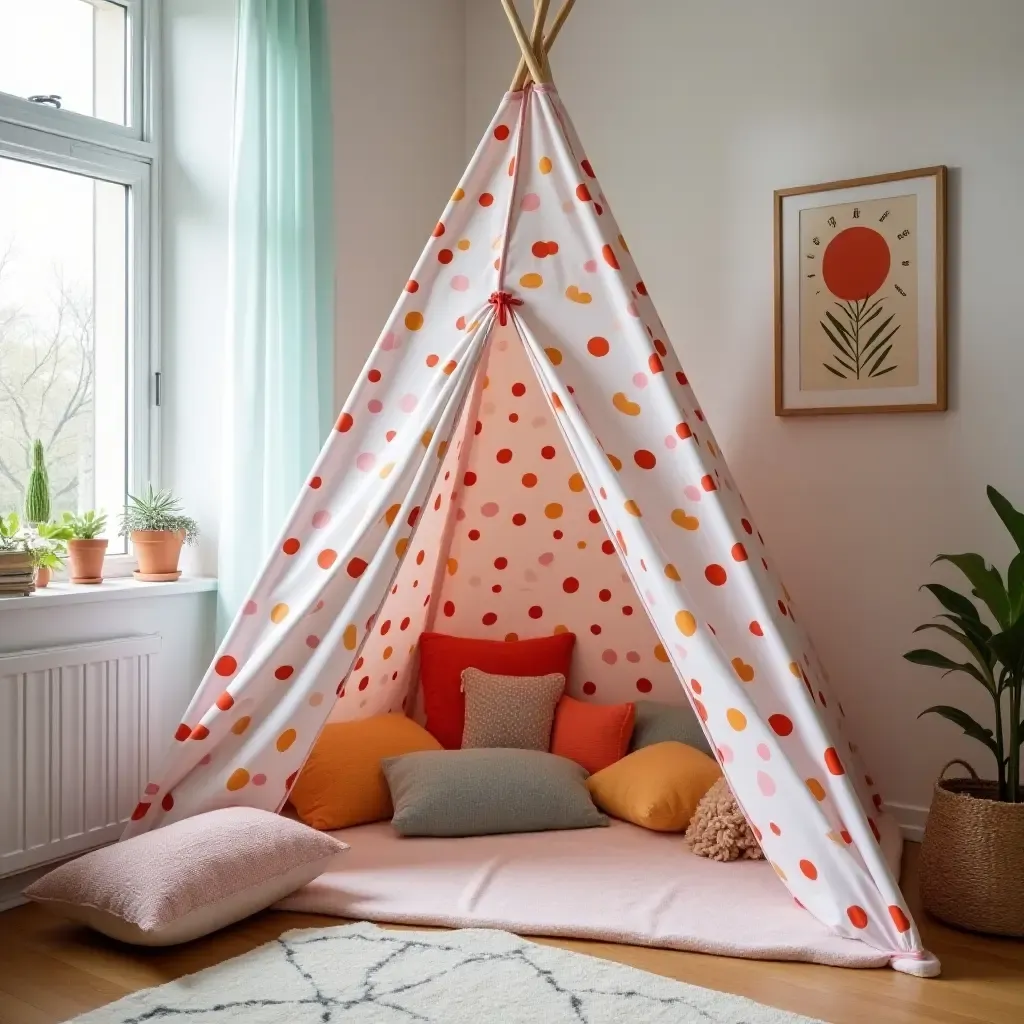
{"points": [[51, 971]]}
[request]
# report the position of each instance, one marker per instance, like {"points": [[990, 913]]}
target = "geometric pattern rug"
{"points": [[362, 974]]}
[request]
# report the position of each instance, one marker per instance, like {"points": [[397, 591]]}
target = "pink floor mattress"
{"points": [[616, 884]]}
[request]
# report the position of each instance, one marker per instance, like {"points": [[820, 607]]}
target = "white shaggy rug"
{"points": [[362, 974]]}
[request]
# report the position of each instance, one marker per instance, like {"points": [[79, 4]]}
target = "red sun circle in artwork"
{"points": [[856, 263]]}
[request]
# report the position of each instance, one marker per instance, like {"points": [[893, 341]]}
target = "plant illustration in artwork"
{"points": [[854, 267]]}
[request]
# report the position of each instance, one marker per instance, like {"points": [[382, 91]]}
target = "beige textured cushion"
{"points": [[189, 878], [510, 711], [719, 829]]}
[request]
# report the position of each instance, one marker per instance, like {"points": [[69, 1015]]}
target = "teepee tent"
{"points": [[522, 455]]}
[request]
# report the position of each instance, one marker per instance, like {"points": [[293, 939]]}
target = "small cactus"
{"points": [[37, 494]]}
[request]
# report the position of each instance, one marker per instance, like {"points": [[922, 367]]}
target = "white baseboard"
{"points": [[911, 819]]}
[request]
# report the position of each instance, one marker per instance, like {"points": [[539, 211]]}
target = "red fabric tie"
{"points": [[501, 302]]}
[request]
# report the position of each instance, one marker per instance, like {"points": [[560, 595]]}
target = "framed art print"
{"points": [[860, 295]]}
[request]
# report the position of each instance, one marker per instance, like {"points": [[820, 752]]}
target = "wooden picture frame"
{"points": [[861, 255]]}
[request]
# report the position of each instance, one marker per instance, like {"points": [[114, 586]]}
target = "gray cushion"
{"points": [[657, 722], [484, 792]]}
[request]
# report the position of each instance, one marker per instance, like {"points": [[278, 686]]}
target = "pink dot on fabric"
{"points": [[502, 347], [649, 598], [531, 202], [590, 266], [609, 657], [312, 641], [206, 759], [632, 656], [766, 783], [640, 380], [365, 461], [152, 789], [460, 282], [538, 421], [250, 608], [316, 699], [670, 441], [259, 780], [490, 509], [680, 650], [375, 405], [388, 342], [474, 581], [321, 519], [318, 607], [691, 492], [764, 752], [407, 403], [460, 515], [726, 753], [568, 206], [632, 310], [546, 558]]}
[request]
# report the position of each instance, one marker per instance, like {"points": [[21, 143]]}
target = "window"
{"points": [[78, 358]]}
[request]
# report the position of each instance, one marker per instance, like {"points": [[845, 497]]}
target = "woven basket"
{"points": [[972, 857]]}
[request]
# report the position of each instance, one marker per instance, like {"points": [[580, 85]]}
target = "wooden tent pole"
{"points": [[549, 40], [540, 8], [524, 42]]}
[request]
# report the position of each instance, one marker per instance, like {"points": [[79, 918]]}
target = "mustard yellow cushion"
{"points": [[342, 783], [657, 787]]}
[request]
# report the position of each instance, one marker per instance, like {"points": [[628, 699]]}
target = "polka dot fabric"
{"points": [[523, 454]]}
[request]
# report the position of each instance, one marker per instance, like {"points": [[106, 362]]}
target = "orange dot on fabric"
{"points": [[439, 227], [457, 195], [286, 739], [501, 133], [609, 257], [278, 613], [899, 919], [225, 702], [326, 558], [553, 510], [576, 483], [290, 546], [736, 719], [808, 870], [715, 575], [554, 355], [816, 788], [544, 165], [616, 462], [356, 567], [583, 193], [683, 431], [659, 653], [570, 584], [832, 762], [644, 458], [673, 573], [238, 779], [686, 623], [755, 628], [654, 364], [226, 665], [708, 483], [781, 725], [531, 280], [241, 725], [739, 553], [632, 508], [414, 321], [858, 917], [598, 346], [200, 732], [485, 199], [743, 670]]}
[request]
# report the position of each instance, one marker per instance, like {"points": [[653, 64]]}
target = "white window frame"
{"points": [[128, 155]]}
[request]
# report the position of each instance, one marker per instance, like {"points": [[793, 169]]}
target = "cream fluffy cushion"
{"points": [[187, 879]]}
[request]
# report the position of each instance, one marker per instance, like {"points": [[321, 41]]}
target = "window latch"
{"points": [[157, 388], [51, 100]]}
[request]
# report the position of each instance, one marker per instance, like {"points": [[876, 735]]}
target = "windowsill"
{"points": [[61, 592]]}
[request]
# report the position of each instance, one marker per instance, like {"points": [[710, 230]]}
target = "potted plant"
{"points": [[157, 529], [47, 544], [972, 856], [86, 548], [37, 494], [17, 570]]}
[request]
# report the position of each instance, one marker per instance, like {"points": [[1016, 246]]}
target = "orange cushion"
{"points": [[593, 735], [442, 659], [341, 784]]}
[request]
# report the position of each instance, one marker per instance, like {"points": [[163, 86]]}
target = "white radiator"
{"points": [[74, 746]]}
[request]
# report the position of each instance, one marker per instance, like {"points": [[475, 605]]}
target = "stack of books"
{"points": [[16, 573]]}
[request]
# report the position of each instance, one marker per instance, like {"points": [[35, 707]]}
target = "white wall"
{"points": [[398, 71], [693, 113]]}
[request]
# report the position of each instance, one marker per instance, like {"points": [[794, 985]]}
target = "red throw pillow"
{"points": [[442, 659], [593, 735]]}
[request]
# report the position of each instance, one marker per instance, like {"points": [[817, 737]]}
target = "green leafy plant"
{"points": [[87, 526], [11, 536], [37, 494], [997, 655], [157, 510], [47, 543]]}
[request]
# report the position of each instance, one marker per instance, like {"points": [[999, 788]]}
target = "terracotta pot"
{"points": [[86, 559], [158, 551], [42, 577]]}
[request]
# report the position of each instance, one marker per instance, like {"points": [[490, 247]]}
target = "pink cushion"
{"points": [[189, 878]]}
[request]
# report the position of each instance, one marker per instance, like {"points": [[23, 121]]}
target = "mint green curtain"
{"points": [[279, 369]]}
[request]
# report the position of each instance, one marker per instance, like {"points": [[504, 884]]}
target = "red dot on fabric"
{"points": [[708, 483], [529, 480], [594, 516], [469, 478], [404, 624], [513, 417], [645, 459], [283, 672], [473, 535], [519, 519], [658, 343], [168, 802], [290, 781], [485, 199], [345, 422], [746, 525], [832, 762], [739, 553], [587, 169], [589, 688], [598, 346], [570, 584], [605, 595], [291, 545], [489, 619], [899, 919], [496, 588], [782, 606], [755, 628], [627, 609], [858, 917], [715, 575], [683, 431], [140, 811], [373, 376], [225, 702], [438, 230], [595, 629], [356, 567], [500, 563], [449, 608], [547, 452], [644, 685], [775, 828], [385, 627], [695, 686], [536, 611], [654, 364], [583, 193], [316, 483], [226, 665], [182, 733], [445, 256], [781, 725], [504, 455], [808, 870], [412, 286], [874, 830], [681, 378], [608, 547], [364, 682], [519, 389], [557, 534], [501, 133]]}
